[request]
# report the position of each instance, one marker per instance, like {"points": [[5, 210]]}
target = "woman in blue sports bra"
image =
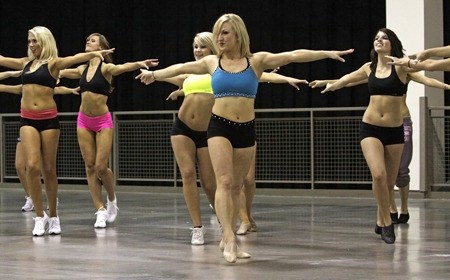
{"points": [[189, 139], [95, 127], [231, 133], [39, 131]]}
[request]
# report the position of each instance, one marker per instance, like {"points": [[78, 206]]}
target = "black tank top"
{"points": [[390, 85], [98, 83], [40, 76]]}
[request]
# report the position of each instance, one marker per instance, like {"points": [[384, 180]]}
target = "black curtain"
{"points": [[140, 29]]}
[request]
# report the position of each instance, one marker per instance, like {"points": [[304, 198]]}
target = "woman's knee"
{"points": [[379, 177], [188, 174], [101, 170]]}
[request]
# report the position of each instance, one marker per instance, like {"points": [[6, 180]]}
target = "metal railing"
{"points": [[296, 148]]}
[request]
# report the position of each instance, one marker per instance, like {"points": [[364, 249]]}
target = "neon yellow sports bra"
{"points": [[197, 84]]}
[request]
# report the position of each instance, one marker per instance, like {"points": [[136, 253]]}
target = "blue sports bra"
{"points": [[390, 85], [243, 83], [98, 83], [41, 76]]}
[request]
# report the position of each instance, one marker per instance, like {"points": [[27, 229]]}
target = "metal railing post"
{"points": [[424, 154]]}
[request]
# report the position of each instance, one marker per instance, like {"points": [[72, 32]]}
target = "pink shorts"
{"points": [[96, 123]]}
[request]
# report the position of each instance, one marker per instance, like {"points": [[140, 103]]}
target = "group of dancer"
{"points": [[39, 125], [215, 126]]}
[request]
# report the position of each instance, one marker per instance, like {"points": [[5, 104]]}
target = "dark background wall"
{"points": [[140, 29]]}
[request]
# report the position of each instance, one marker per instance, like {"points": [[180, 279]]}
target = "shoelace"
{"points": [[197, 232]]}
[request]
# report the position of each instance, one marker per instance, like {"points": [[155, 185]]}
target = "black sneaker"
{"points": [[394, 218], [403, 219], [388, 234], [377, 229]]}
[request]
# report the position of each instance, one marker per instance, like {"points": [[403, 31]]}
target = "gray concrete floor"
{"points": [[298, 238]]}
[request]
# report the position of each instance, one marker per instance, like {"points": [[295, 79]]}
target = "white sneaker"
{"points": [[39, 225], [112, 209], [54, 226], [28, 205], [198, 236], [102, 216]]}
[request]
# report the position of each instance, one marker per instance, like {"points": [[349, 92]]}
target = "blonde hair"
{"points": [[239, 28], [207, 39], [47, 42]]}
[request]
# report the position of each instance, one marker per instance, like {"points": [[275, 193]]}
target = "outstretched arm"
{"points": [[66, 90], [432, 52], [65, 62], [354, 77], [427, 65], [194, 67], [116, 70], [13, 63], [274, 60], [17, 89], [422, 79], [323, 83], [272, 77], [9, 74], [72, 73]]}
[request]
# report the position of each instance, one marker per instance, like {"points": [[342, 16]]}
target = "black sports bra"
{"points": [[41, 76], [390, 85], [98, 83]]}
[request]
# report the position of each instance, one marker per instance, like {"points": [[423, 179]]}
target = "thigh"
{"points": [[86, 141], [242, 161], [250, 177], [20, 157], [221, 153], [205, 167], [185, 152], [103, 140], [50, 141], [393, 155], [31, 145], [373, 151]]}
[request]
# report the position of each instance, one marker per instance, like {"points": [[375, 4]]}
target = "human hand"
{"points": [[146, 77], [15, 73], [102, 53], [294, 82], [275, 70], [337, 55], [404, 61], [152, 62], [420, 56], [75, 91], [329, 87], [175, 94], [318, 83]]}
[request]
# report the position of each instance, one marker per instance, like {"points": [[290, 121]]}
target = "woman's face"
{"points": [[92, 43], [381, 43], [34, 46], [200, 50], [226, 40]]}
